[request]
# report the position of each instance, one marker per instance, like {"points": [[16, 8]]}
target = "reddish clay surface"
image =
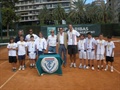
{"points": [[72, 78]]}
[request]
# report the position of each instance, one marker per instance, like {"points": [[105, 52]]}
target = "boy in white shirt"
{"points": [[90, 46], [32, 51], [12, 47], [109, 53], [100, 51], [41, 44], [22, 48], [82, 51]]}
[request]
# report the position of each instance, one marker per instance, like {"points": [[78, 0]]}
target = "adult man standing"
{"points": [[62, 44], [52, 41], [72, 44], [20, 33], [27, 38]]}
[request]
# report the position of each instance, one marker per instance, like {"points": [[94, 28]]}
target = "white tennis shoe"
{"points": [[71, 65], [20, 68], [93, 68], [74, 65], [111, 68]]}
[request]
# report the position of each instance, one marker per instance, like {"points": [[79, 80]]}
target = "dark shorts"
{"points": [[12, 59], [40, 53], [72, 49], [21, 57], [109, 59]]}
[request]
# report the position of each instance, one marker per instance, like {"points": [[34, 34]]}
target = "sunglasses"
{"points": [[52, 32]]}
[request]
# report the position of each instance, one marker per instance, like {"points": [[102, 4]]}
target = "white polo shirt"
{"points": [[109, 47], [31, 46], [52, 40], [90, 44], [82, 45], [27, 38], [41, 43], [62, 38], [100, 46], [13, 46], [72, 37], [21, 47]]}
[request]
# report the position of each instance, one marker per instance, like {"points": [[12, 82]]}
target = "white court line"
{"points": [[113, 68], [116, 41], [10, 78], [3, 62]]}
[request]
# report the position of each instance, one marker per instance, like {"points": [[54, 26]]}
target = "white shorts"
{"points": [[100, 57], [82, 55], [32, 55], [91, 55]]}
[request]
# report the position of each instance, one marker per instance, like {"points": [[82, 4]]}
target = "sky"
{"points": [[89, 1]]}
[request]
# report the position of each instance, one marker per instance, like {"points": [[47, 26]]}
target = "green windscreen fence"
{"points": [[95, 29]]}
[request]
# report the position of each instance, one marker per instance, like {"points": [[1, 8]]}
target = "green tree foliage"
{"points": [[8, 13], [59, 14], [44, 15], [80, 13]]}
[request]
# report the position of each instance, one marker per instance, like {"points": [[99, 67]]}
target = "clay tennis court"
{"points": [[72, 78]]}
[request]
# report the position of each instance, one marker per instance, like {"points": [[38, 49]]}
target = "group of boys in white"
{"points": [[92, 49]]}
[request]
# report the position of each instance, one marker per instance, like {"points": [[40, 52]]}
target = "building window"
{"points": [[65, 4], [26, 2], [22, 18], [26, 18], [22, 8], [30, 7], [22, 2], [26, 7], [37, 1]]}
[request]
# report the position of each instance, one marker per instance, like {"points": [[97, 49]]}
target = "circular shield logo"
{"points": [[49, 64]]}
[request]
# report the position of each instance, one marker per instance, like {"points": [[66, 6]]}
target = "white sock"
{"points": [[23, 66], [31, 64], [102, 66], [106, 66], [80, 64], [111, 67], [98, 66]]}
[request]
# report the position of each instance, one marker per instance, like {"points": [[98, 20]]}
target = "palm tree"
{"points": [[104, 13], [99, 14], [78, 11], [59, 14], [44, 15]]}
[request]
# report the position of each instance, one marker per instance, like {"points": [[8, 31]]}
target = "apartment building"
{"points": [[29, 9], [98, 2]]}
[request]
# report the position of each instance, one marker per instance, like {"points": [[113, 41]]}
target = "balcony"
{"points": [[29, 19], [38, 3]]}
